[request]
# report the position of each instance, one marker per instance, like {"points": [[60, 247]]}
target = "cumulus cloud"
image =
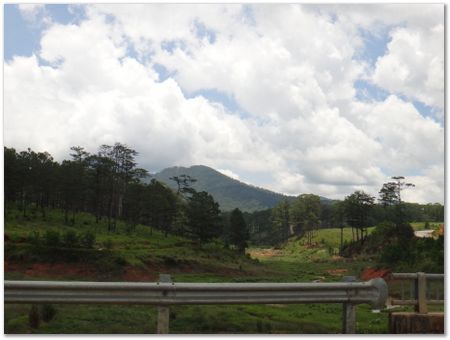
{"points": [[35, 14], [229, 173], [31, 11], [414, 65], [297, 122], [113, 98]]}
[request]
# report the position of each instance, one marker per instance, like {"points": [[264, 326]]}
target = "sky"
{"points": [[323, 99]]}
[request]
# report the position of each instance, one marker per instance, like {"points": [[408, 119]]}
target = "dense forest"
{"points": [[109, 185]]}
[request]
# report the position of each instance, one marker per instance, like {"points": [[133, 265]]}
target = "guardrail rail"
{"points": [[418, 296], [165, 293]]}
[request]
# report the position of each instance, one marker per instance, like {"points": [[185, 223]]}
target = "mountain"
{"points": [[228, 192]]}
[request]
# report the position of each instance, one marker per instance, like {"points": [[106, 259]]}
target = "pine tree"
{"points": [[238, 233]]}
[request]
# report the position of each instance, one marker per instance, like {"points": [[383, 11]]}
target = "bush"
{"points": [[34, 238], [108, 244], [391, 254], [51, 238], [70, 239], [87, 240], [48, 312], [33, 317]]}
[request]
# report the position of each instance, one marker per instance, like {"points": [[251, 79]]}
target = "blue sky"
{"points": [[21, 38], [247, 60]]}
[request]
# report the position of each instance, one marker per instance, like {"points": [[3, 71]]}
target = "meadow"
{"points": [[143, 253]]}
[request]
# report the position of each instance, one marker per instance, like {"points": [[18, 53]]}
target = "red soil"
{"points": [[372, 273], [337, 272], [52, 270], [89, 272], [139, 275]]}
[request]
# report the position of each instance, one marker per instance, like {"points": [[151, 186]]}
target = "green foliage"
{"points": [[70, 239], [389, 194], [228, 192], [48, 312], [357, 207], [108, 244], [203, 217], [87, 239], [280, 218], [304, 215], [52, 238], [34, 238], [33, 317], [209, 262], [238, 231], [260, 227]]}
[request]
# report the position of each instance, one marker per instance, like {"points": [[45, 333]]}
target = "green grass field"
{"points": [[142, 254], [422, 225]]}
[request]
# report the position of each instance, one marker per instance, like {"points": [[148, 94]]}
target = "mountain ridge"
{"points": [[230, 193]]}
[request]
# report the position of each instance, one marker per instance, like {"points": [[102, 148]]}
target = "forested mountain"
{"points": [[228, 192]]}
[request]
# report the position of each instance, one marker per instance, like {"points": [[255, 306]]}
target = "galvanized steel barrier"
{"points": [[418, 291], [166, 293]]}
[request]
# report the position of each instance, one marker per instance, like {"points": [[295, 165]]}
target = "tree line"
{"points": [[109, 185], [307, 213]]}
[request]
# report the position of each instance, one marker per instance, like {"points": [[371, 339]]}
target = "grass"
{"points": [[229, 319], [422, 225], [145, 253]]}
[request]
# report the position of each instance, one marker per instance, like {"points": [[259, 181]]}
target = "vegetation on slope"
{"points": [[230, 193], [140, 255]]}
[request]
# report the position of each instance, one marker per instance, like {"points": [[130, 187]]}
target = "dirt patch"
{"points": [[51, 270], [150, 273], [372, 273], [265, 253], [337, 271], [140, 275]]}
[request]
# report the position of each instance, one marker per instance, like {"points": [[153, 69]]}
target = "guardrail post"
{"points": [[349, 319], [163, 311], [421, 293], [349, 312]]}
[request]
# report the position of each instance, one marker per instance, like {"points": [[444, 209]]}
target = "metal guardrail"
{"points": [[166, 293], [428, 276], [419, 290]]}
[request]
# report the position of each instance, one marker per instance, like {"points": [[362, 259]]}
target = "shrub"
{"points": [[51, 238], [48, 312], [259, 326], [70, 239], [391, 254], [34, 238], [33, 317], [87, 240], [108, 244]]}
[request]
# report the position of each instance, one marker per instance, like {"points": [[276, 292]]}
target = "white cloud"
{"points": [[408, 139], [35, 14], [428, 187], [414, 65], [304, 128], [31, 11], [102, 96], [229, 173]]}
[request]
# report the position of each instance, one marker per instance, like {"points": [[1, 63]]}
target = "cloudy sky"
{"points": [[323, 99]]}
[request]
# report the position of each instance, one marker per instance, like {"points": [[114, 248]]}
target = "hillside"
{"points": [[230, 193], [31, 253]]}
